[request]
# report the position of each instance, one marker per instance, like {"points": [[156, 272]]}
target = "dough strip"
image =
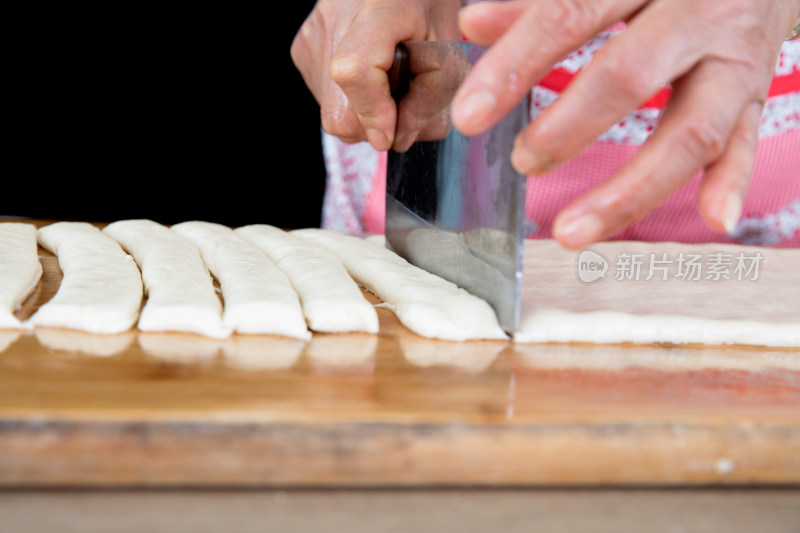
{"points": [[20, 270], [426, 304], [332, 301], [258, 297], [101, 289], [179, 288]]}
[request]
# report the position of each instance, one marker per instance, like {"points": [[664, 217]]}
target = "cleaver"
{"points": [[454, 204]]}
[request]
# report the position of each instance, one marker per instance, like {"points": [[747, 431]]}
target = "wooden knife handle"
{"points": [[400, 73]]}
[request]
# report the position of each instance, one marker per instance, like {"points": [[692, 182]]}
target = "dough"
{"points": [[101, 291], [568, 298], [20, 269], [332, 301], [426, 304], [257, 295], [448, 254], [180, 291]]}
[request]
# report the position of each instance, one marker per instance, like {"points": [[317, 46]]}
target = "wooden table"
{"points": [[393, 409]]}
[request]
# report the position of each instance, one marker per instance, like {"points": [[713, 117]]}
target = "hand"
{"points": [[718, 56], [344, 50], [433, 72]]}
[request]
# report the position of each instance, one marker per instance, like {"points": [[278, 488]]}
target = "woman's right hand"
{"points": [[344, 49]]}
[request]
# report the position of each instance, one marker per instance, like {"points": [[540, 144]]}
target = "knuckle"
{"points": [[297, 50], [747, 133], [346, 71], [705, 138], [309, 33], [302, 43], [625, 76], [571, 20]]}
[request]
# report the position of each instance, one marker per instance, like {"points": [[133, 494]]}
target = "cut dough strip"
{"points": [[180, 290], [101, 291], [20, 270], [332, 301], [258, 297], [426, 304]]}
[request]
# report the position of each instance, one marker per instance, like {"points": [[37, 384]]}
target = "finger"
{"points": [[694, 131], [483, 23], [630, 69], [536, 41], [361, 59], [724, 184], [337, 117], [436, 73], [437, 127], [661, 43], [432, 129]]}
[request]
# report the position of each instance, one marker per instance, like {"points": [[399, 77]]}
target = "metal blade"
{"points": [[454, 204]]}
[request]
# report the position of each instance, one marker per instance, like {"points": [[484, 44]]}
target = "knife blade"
{"points": [[454, 204]]}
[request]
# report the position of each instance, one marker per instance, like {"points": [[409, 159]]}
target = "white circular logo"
{"points": [[591, 266]]}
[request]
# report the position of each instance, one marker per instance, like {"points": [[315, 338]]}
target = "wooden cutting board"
{"points": [[393, 409]]}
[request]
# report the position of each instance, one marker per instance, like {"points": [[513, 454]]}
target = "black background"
{"points": [[165, 115]]}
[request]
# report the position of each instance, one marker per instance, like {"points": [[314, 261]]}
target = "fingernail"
{"points": [[404, 141], [582, 230], [472, 109], [378, 139], [526, 162], [731, 211]]}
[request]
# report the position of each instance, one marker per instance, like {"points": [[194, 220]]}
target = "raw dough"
{"points": [[257, 295], [332, 301], [558, 306], [20, 269], [447, 253], [101, 291], [180, 290], [426, 304]]}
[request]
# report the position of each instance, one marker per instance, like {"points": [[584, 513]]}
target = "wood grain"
{"points": [[391, 409]]}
